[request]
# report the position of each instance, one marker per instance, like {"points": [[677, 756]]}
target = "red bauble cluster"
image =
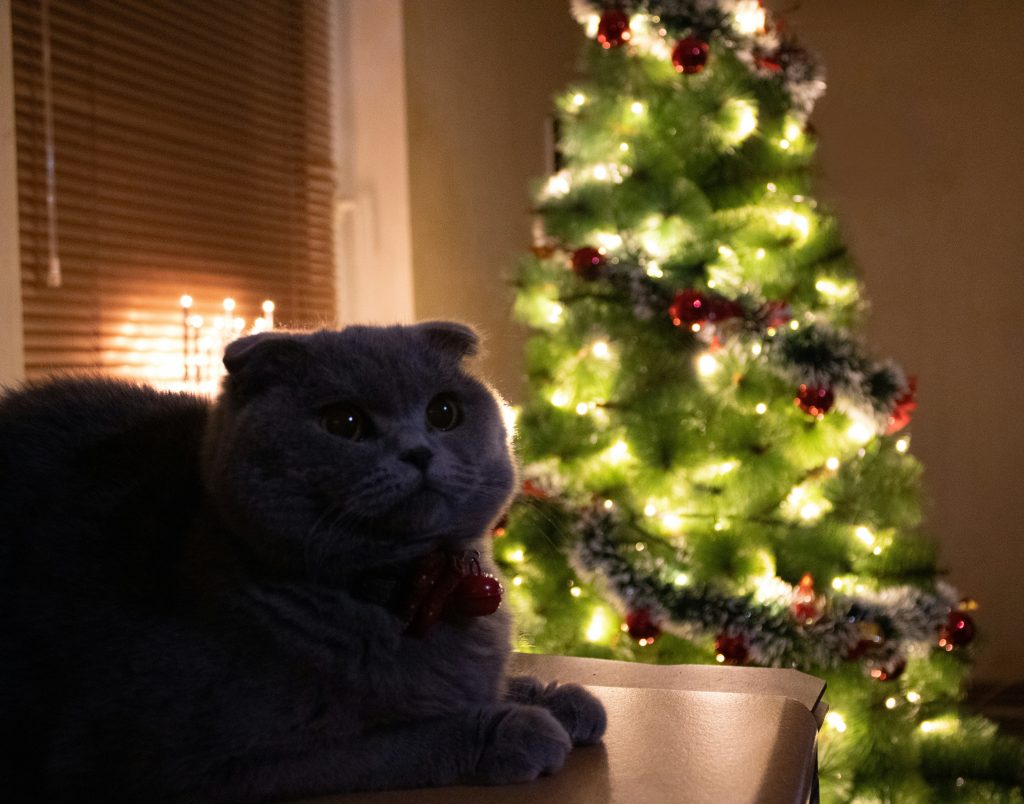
{"points": [[642, 627], [692, 308], [731, 649], [903, 409], [613, 29], [690, 55], [588, 263], [958, 630], [815, 400]]}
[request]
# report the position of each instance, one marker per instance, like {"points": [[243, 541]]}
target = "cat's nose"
{"points": [[418, 457]]}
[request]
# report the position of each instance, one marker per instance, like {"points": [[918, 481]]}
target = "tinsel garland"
{"points": [[909, 617], [765, 50], [814, 353]]}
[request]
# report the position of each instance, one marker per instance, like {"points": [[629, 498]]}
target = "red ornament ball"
{"points": [[690, 56], [642, 627], [689, 307], [815, 400], [613, 29], [476, 596], [731, 649], [805, 602], [958, 630], [587, 263]]}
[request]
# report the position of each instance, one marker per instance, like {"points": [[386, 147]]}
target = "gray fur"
{"points": [[178, 583]]}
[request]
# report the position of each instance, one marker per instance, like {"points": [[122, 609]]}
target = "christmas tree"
{"points": [[716, 467]]}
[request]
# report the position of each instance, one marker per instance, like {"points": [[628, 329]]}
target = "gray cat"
{"points": [[240, 602]]}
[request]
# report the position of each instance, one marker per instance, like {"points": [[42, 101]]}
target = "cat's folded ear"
{"points": [[451, 337], [264, 358]]}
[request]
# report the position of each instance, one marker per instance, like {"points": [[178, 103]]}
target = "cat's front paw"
{"points": [[579, 712], [523, 743]]}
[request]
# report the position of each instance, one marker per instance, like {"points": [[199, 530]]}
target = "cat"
{"points": [[211, 602]]}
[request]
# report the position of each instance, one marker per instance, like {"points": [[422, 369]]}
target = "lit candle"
{"points": [[186, 303]]}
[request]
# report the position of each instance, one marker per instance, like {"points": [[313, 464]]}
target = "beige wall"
{"points": [[920, 152], [12, 359], [479, 77]]}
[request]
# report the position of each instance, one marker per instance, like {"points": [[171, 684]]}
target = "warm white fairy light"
{"points": [[726, 251], [785, 145], [750, 17], [836, 721], [877, 551], [707, 365], [575, 591], [902, 445], [582, 409], [637, 108], [834, 290], [860, 432], [746, 120], [599, 626], [555, 312], [832, 464], [601, 172], [914, 697], [185, 302], [760, 254], [756, 349], [654, 270], [517, 581], [650, 510], [578, 99], [939, 725], [761, 408], [671, 522], [792, 218], [558, 184], [793, 131], [618, 452], [890, 703], [516, 556], [601, 350], [681, 579], [608, 241], [639, 547], [865, 535], [609, 505], [811, 511], [559, 398], [229, 305]]}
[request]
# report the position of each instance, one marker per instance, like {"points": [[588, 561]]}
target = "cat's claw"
{"points": [[524, 742], [580, 713]]}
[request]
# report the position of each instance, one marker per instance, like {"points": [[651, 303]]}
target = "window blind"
{"points": [[192, 149]]}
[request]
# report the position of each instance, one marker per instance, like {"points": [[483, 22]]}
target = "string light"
{"points": [[902, 445], [865, 535], [890, 703], [624, 147], [517, 581], [618, 452], [836, 721], [914, 697], [559, 399], [750, 17], [582, 408], [558, 184], [832, 464], [599, 626], [671, 522], [516, 556], [609, 505], [681, 579], [760, 254], [578, 100], [575, 591], [654, 270], [756, 349], [761, 409], [650, 510], [707, 365], [601, 350], [637, 108]]}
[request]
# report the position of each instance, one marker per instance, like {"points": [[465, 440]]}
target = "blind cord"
{"points": [[53, 273]]}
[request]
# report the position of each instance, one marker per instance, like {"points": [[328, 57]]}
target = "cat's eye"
{"points": [[443, 412], [346, 421]]}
